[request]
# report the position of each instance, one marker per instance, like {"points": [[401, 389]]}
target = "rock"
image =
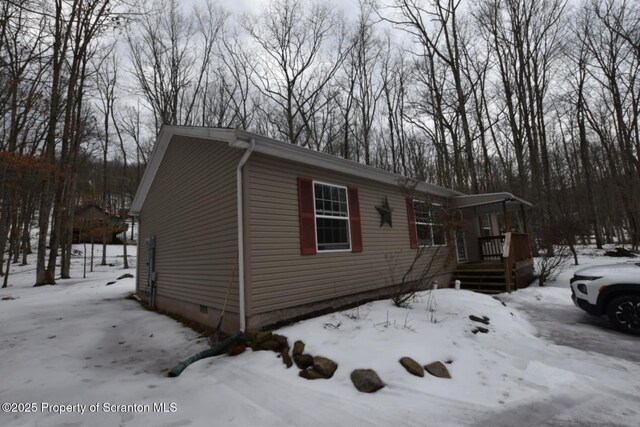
{"points": [[303, 361], [286, 359], [366, 380], [412, 366], [236, 349], [483, 319], [272, 345], [281, 339], [437, 369], [125, 276], [311, 374], [325, 366], [480, 329], [298, 348], [249, 335], [260, 337]]}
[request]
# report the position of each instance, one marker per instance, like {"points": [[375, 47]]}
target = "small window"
{"points": [[332, 217], [485, 225], [428, 227]]}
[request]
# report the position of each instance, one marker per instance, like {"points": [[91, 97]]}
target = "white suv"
{"points": [[613, 290]]}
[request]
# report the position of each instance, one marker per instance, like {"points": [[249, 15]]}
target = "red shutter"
{"points": [[411, 216], [354, 220], [307, 217]]}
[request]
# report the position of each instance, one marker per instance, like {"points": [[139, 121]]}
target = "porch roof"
{"points": [[475, 200]]}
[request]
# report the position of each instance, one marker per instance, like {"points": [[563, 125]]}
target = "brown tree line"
{"points": [[540, 98]]}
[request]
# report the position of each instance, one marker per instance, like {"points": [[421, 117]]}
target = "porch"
{"points": [[493, 253], [506, 265]]}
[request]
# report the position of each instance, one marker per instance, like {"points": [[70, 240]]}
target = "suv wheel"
{"points": [[624, 313]]}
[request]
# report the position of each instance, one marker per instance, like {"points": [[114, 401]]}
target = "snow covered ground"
{"points": [[84, 344]]}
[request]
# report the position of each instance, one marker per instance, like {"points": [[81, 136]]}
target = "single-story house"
{"points": [[91, 224], [268, 231]]}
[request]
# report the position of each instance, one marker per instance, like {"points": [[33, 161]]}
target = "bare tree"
{"points": [[365, 60], [299, 48], [526, 37], [23, 74], [171, 54], [395, 79], [75, 28], [443, 42], [579, 57], [106, 80], [616, 67]]}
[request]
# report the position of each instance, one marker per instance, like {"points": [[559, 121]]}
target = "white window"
{"points": [[429, 229], [485, 225], [332, 217]]}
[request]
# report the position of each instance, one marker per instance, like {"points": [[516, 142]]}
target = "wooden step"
{"points": [[488, 291], [466, 274], [480, 266], [489, 285], [482, 281], [485, 288]]}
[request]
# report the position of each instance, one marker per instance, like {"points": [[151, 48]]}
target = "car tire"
{"points": [[624, 313]]}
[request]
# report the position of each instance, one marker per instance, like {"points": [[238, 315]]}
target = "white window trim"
{"points": [[430, 224], [315, 215]]}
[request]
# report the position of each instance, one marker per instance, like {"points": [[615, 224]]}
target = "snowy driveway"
{"points": [[556, 319]]}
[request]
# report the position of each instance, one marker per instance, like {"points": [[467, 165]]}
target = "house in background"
{"points": [[91, 224], [269, 232]]}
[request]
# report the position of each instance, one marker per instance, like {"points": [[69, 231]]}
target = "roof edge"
{"points": [[273, 147], [240, 139], [472, 200], [159, 149]]}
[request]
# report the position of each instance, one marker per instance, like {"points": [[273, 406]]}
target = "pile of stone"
{"points": [[268, 341], [319, 367], [312, 367]]}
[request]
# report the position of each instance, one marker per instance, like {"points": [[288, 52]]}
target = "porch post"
{"points": [[524, 219], [507, 223]]}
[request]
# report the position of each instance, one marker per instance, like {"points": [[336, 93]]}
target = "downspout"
{"points": [[240, 204]]}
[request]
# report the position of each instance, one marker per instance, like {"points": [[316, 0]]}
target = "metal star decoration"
{"points": [[385, 212]]}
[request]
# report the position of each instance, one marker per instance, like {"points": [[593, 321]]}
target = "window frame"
{"points": [[316, 216], [485, 225], [430, 224]]}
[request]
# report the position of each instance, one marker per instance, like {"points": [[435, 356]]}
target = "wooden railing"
{"points": [[491, 247], [516, 248]]}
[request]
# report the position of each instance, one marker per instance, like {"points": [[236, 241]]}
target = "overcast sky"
{"points": [[248, 6]]}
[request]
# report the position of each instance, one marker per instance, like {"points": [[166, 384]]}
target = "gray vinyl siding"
{"points": [[191, 209], [280, 277]]}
